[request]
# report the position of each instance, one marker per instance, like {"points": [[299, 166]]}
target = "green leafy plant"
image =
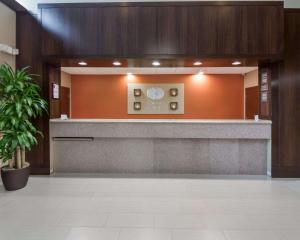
{"points": [[20, 103]]}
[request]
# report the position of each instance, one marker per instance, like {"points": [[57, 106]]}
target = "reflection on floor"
{"points": [[104, 208]]}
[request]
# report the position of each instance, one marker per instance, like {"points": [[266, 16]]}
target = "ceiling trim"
{"points": [[161, 3], [156, 71]]}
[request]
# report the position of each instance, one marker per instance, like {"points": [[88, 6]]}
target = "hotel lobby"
{"points": [[149, 120]]}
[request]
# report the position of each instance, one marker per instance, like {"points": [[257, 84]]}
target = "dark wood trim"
{"points": [[39, 170], [161, 4], [14, 5], [292, 10], [285, 172], [272, 57]]}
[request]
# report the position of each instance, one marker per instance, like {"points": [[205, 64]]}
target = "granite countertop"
{"points": [[204, 121]]}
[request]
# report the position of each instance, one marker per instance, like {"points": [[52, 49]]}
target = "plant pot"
{"points": [[14, 179]]}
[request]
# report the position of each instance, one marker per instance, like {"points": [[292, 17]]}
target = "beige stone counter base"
{"points": [[161, 146]]}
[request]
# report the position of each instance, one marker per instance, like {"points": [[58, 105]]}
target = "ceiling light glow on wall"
{"points": [[130, 76], [199, 76], [82, 63], [236, 63], [156, 63], [117, 63], [197, 63]]}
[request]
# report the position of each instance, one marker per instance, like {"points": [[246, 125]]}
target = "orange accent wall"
{"points": [[105, 96]]}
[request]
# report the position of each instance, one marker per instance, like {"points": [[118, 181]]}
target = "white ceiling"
{"points": [[154, 70], [31, 5]]}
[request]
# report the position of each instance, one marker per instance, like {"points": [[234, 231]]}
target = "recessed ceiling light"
{"points": [[201, 73], [236, 63], [82, 63], [117, 63], [156, 63], [197, 63]]}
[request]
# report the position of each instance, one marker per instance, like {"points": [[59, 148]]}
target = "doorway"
{"points": [[65, 101], [252, 102]]}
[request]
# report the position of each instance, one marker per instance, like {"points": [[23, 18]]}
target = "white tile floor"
{"points": [[73, 207]]}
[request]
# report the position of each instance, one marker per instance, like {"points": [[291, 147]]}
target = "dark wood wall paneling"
{"points": [[29, 43], [165, 29], [276, 77], [285, 77], [286, 99], [271, 110]]}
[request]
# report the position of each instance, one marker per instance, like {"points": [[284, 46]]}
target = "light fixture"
{"points": [[8, 49], [236, 63], [82, 63], [201, 73], [197, 63], [156, 63], [117, 63]]}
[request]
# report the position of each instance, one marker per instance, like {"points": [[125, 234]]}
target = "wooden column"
{"points": [[286, 102], [29, 44]]}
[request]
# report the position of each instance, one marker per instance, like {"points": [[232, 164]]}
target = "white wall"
{"points": [[65, 79], [251, 79], [292, 3], [7, 33]]}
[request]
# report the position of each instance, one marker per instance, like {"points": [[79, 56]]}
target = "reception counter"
{"points": [[160, 146]]}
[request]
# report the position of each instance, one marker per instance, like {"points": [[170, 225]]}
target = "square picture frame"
{"points": [[137, 92], [137, 106], [173, 92], [173, 106]]}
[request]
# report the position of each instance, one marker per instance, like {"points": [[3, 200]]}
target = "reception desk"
{"points": [[160, 146]]}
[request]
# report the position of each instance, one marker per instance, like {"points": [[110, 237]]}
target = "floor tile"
{"points": [[290, 235], [39, 218], [93, 234], [145, 234], [38, 233], [252, 235], [178, 221], [86, 219], [130, 220], [77, 204], [197, 235], [5, 232], [66, 207]]}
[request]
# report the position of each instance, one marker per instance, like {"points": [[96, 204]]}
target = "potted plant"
{"points": [[20, 103]]}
